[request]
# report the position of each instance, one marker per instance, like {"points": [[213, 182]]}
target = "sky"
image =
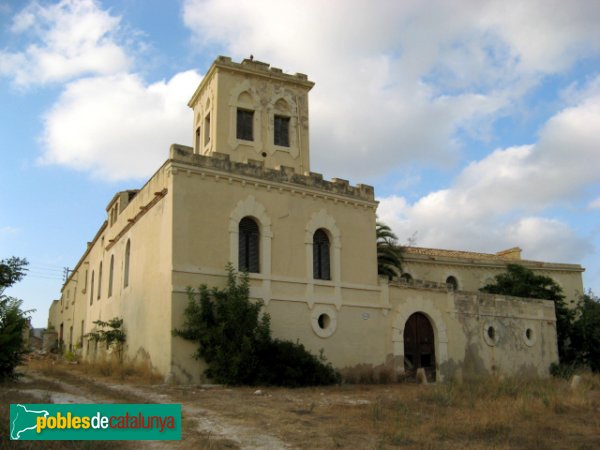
{"points": [[477, 122]]}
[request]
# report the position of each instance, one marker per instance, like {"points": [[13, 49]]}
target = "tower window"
{"points": [[245, 122], [282, 131], [321, 263], [248, 245], [197, 143], [207, 129]]}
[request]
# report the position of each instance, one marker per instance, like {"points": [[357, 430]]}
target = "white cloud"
{"points": [[397, 80], [107, 120], [594, 204], [496, 202], [548, 240], [118, 127], [63, 41], [8, 230]]}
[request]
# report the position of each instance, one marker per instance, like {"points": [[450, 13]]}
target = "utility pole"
{"points": [[66, 272]]}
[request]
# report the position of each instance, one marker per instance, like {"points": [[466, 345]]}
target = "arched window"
{"points": [[452, 282], [92, 289], [321, 265], [248, 252], [126, 264], [100, 281], [111, 275]]}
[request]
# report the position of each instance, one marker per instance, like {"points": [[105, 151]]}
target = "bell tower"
{"points": [[252, 111]]}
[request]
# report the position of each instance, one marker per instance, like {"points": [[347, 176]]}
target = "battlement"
{"points": [[261, 68], [283, 174]]}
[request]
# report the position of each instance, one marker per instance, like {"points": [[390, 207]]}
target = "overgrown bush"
{"points": [[585, 333], [13, 320], [234, 339], [114, 336]]}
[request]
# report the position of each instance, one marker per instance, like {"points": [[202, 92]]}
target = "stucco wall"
{"points": [[461, 321], [144, 305], [266, 91], [474, 274], [208, 206]]}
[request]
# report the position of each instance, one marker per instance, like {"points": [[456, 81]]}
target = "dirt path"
{"points": [[479, 414], [202, 427]]}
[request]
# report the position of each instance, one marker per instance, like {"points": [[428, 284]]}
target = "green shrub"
{"points": [[13, 320], [114, 336], [585, 334], [563, 370], [234, 339]]}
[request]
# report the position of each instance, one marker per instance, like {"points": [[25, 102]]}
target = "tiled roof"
{"points": [[512, 255], [456, 254]]}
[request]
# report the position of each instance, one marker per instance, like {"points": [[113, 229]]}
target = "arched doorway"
{"points": [[419, 345]]}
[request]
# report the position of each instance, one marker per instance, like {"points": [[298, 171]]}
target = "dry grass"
{"points": [[141, 373], [490, 412], [367, 374], [484, 413]]}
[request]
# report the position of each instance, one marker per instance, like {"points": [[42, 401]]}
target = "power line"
{"points": [[44, 277], [44, 269], [44, 265]]}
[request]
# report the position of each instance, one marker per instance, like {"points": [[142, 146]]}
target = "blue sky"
{"points": [[477, 122]]}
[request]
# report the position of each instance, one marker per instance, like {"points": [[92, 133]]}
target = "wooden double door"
{"points": [[419, 345]]}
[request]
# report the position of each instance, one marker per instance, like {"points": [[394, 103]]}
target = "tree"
{"points": [[13, 320], [585, 336], [519, 281], [389, 253], [114, 336], [234, 339]]}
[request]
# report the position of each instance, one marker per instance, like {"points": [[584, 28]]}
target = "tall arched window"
{"points": [[92, 289], [248, 255], [111, 274], [321, 265], [100, 280], [126, 264]]}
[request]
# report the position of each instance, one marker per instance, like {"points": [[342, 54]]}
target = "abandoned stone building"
{"points": [[245, 194]]}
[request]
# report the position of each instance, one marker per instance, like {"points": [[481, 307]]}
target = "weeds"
{"points": [[489, 412], [140, 372]]}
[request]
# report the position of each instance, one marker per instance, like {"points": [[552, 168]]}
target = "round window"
{"points": [[490, 334], [324, 320], [529, 336]]}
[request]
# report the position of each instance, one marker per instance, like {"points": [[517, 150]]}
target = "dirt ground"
{"points": [[485, 414]]}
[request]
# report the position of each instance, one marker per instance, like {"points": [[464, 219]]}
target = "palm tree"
{"points": [[389, 253]]}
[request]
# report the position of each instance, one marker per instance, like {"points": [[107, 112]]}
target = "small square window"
{"points": [[245, 122], [282, 131]]}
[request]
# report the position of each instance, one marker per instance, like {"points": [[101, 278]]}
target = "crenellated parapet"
{"points": [[282, 174]]}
